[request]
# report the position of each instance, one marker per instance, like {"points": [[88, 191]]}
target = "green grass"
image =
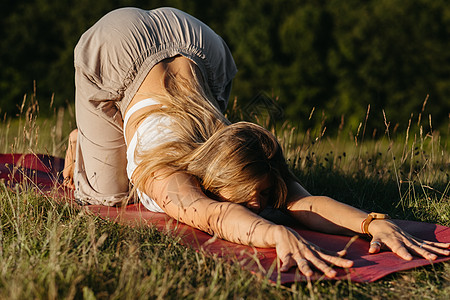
{"points": [[55, 251], [26, 133]]}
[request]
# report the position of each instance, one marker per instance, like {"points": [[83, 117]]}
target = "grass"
{"points": [[29, 134], [56, 251]]}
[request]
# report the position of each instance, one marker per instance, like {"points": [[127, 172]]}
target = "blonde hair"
{"points": [[238, 157], [219, 154]]}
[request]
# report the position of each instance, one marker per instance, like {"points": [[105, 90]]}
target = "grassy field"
{"points": [[54, 251]]}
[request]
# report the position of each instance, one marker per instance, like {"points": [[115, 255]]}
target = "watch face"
{"points": [[379, 216]]}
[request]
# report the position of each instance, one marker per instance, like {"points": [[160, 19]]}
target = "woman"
{"points": [[151, 89]]}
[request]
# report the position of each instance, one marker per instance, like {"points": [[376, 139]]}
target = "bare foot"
{"points": [[69, 163]]}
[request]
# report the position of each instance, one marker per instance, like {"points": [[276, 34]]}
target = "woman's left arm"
{"points": [[324, 214]]}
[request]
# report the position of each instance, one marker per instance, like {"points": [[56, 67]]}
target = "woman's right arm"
{"points": [[181, 197]]}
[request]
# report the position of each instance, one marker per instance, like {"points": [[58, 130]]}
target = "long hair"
{"points": [[238, 157], [219, 154]]}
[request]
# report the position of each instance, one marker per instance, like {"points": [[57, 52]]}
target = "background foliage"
{"points": [[333, 56]]}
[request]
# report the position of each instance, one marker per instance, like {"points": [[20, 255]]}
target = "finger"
{"points": [[420, 248], [301, 263], [436, 250], [399, 249], [314, 257], [337, 261], [442, 245], [329, 252], [428, 250], [341, 253], [421, 251], [286, 263], [437, 244], [303, 266], [434, 247], [375, 246], [322, 266]]}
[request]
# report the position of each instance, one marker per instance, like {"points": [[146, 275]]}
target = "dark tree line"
{"points": [[336, 56]]}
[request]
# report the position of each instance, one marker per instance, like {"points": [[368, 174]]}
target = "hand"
{"points": [[387, 234], [293, 250]]}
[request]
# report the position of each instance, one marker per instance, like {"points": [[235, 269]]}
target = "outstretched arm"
{"points": [[181, 197], [328, 215]]}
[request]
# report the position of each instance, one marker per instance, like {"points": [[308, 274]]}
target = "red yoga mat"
{"points": [[45, 172]]}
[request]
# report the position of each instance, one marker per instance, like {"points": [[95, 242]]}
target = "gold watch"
{"points": [[370, 217]]}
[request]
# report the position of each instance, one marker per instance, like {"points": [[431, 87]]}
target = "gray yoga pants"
{"points": [[112, 59]]}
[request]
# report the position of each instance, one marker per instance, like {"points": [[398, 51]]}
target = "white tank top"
{"points": [[152, 132]]}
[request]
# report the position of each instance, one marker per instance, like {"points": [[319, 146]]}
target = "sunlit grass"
{"points": [[27, 133], [56, 251], [51, 250]]}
